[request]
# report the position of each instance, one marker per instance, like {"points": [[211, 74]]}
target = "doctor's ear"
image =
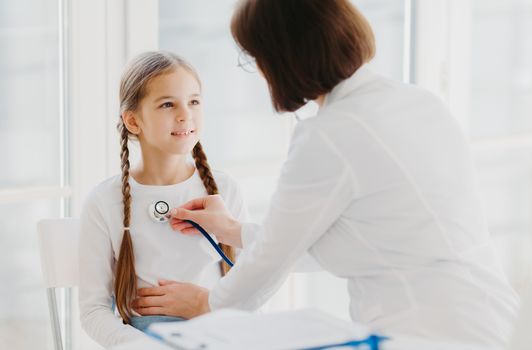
{"points": [[131, 122]]}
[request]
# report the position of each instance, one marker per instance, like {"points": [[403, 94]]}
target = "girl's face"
{"points": [[170, 116]]}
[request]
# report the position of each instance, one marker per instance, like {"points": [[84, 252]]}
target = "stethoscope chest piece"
{"points": [[158, 211]]}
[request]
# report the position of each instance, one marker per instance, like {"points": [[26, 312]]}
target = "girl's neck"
{"points": [[162, 172]]}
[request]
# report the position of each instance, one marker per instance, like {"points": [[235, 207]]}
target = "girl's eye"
{"points": [[167, 105], [195, 102]]}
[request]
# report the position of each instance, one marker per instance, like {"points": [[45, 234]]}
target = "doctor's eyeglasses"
{"points": [[246, 62]]}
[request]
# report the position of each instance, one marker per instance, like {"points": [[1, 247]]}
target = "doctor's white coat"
{"points": [[379, 187]]}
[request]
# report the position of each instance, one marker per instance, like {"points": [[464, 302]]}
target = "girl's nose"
{"points": [[183, 115]]}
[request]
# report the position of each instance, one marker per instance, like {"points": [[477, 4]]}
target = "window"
{"points": [[241, 135], [500, 125], [477, 55], [32, 179]]}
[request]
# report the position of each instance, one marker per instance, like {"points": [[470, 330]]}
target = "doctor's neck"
{"points": [[162, 170], [320, 100]]}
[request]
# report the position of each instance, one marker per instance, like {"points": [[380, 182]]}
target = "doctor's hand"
{"points": [[172, 298], [210, 213]]}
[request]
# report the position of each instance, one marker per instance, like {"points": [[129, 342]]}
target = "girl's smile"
{"points": [[182, 133]]}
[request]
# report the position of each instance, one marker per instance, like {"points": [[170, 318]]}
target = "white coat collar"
{"points": [[348, 86]]}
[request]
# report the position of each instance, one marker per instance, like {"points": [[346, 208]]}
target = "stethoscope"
{"points": [[158, 212]]}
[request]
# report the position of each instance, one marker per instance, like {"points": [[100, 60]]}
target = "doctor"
{"points": [[378, 187]]}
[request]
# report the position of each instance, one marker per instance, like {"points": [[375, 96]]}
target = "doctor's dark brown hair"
{"points": [[304, 48], [133, 88]]}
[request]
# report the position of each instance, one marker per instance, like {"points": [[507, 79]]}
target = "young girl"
{"points": [[122, 247]]}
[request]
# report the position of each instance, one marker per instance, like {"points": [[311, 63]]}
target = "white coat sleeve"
{"points": [[315, 186], [96, 261]]}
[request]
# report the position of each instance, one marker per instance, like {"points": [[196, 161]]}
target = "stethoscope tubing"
{"points": [[211, 241]]}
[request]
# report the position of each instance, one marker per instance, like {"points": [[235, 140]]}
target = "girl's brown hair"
{"points": [[133, 88], [304, 48]]}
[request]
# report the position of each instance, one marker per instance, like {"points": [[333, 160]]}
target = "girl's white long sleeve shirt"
{"points": [[160, 252], [379, 187]]}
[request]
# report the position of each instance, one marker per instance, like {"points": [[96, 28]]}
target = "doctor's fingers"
{"points": [[199, 203], [209, 202], [185, 214], [180, 225], [190, 231], [186, 229], [182, 212], [174, 221]]}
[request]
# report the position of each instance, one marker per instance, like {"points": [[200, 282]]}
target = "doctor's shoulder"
{"points": [[407, 99], [386, 90], [425, 96]]}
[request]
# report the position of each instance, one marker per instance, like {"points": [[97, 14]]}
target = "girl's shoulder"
{"points": [[230, 191], [224, 181], [109, 190]]}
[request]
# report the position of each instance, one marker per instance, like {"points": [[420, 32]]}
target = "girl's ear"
{"points": [[129, 118]]}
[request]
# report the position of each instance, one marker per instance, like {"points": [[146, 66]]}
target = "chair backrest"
{"points": [[58, 245], [522, 336]]}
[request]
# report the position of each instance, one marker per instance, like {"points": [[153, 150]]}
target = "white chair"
{"points": [[58, 246]]}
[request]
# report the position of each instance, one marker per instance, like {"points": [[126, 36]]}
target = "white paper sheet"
{"points": [[231, 329]]}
